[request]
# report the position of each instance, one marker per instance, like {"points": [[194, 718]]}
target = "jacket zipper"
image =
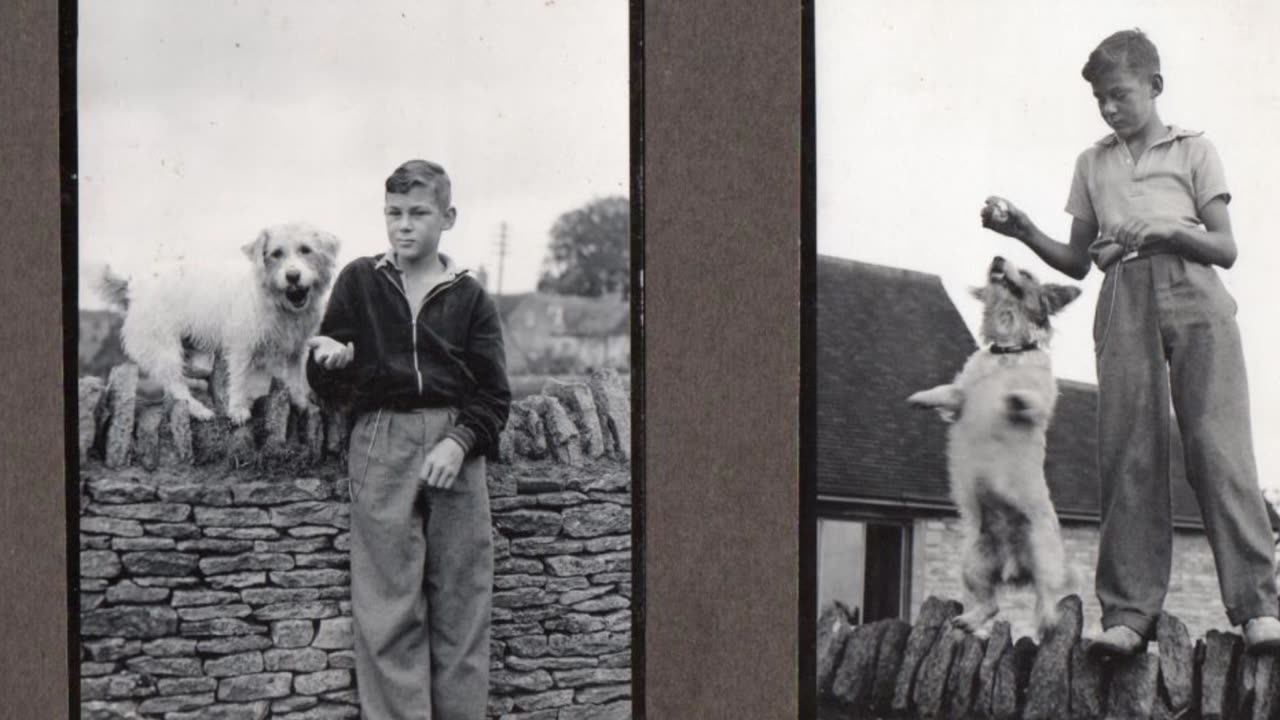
{"points": [[413, 317]]}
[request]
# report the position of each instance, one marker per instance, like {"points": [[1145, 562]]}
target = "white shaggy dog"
{"points": [[999, 406], [259, 310]]}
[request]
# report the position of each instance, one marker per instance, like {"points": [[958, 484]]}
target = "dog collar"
{"points": [[1012, 349]]}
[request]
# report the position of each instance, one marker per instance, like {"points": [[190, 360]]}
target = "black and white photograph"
{"points": [[355, 371], [1043, 392]]}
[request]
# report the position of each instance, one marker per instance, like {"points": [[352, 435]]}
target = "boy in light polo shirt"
{"points": [[415, 345], [1149, 207]]}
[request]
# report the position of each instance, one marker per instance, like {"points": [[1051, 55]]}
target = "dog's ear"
{"points": [[328, 243], [256, 249], [979, 292], [1056, 297]]}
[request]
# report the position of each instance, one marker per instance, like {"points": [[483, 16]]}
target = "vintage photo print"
{"points": [[354, 401], [1043, 352]]}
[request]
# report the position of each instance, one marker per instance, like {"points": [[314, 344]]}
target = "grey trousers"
{"points": [[1165, 328], [421, 574]]}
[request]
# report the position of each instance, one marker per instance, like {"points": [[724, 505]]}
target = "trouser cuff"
{"points": [[1240, 616], [1132, 619]]}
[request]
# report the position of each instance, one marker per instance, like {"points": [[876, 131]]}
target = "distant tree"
{"points": [[589, 250]]}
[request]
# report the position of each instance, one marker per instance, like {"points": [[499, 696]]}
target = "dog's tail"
{"points": [[113, 288]]}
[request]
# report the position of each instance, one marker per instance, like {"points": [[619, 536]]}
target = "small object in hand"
{"points": [[999, 212]]}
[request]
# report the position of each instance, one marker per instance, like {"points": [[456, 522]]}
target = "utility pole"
{"points": [[502, 253]]}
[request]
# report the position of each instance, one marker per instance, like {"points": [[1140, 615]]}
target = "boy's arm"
{"points": [[1213, 245], [483, 416], [339, 323], [1071, 258]]}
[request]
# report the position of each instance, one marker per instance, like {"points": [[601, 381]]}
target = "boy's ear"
{"points": [[1157, 84], [450, 217], [1057, 297], [255, 250]]}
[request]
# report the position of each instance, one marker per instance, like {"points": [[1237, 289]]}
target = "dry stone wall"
{"points": [[890, 669], [214, 576]]}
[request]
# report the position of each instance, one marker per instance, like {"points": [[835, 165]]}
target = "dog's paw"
{"points": [[1047, 620], [1022, 405], [198, 411], [974, 620], [300, 399], [238, 414]]}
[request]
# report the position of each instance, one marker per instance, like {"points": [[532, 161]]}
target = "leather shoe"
{"points": [[1262, 635], [1118, 640]]}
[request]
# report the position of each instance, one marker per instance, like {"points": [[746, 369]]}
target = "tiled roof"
{"points": [[884, 333]]}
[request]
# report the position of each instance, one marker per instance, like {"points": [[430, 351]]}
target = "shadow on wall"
{"points": [[214, 578]]}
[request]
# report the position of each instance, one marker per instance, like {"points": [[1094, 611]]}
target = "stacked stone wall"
{"points": [[931, 669], [214, 573]]}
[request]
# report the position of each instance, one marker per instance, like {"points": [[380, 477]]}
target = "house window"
{"points": [[865, 565]]}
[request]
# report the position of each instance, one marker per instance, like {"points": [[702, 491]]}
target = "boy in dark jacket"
{"points": [[414, 345]]}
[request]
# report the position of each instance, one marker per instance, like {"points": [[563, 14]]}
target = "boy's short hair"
{"points": [[1128, 48], [422, 173]]}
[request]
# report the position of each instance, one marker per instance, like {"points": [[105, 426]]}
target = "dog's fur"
{"points": [[1000, 406], [259, 311]]}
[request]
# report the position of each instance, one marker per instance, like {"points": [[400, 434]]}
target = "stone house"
{"points": [[565, 334], [888, 534]]}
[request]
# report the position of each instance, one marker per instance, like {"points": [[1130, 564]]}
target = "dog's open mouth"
{"points": [[297, 295], [995, 273]]}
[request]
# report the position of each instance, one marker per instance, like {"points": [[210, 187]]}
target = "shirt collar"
{"points": [[1173, 132]]}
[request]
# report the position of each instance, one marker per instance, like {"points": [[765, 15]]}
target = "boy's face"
{"points": [[1126, 100], [414, 223]]}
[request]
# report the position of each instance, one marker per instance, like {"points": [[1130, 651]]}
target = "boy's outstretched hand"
{"points": [[1003, 217], [442, 465], [329, 353]]}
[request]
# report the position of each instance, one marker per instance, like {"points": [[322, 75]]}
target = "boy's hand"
{"points": [[329, 353], [1003, 217], [442, 465], [1138, 233]]}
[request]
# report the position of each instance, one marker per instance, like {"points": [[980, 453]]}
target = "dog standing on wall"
{"points": [[999, 407], [259, 311]]}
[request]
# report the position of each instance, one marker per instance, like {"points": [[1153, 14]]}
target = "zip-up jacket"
{"points": [[448, 352]]}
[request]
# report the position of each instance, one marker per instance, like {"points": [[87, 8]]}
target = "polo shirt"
{"points": [[1171, 180]]}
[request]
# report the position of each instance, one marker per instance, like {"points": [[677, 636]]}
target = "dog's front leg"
{"points": [[946, 399], [295, 381], [238, 363]]}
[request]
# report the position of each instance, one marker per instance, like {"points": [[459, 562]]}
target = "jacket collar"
{"points": [[388, 261]]}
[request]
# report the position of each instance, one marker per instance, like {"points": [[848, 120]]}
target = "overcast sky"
{"points": [[201, 122], [925, 107]]}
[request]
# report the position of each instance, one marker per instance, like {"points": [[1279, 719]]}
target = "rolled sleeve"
{"points": [[1208, 177], [1079, 204]]}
